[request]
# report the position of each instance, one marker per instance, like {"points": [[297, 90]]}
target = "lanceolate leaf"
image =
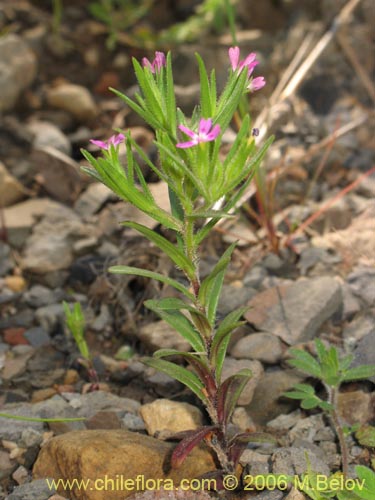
{"points": [[360, 372], [200, 366], [222, 337], [183, 448], [181, 323], [179, 373], [229, 392], [210, 288], [177, 256], [136, 271]]}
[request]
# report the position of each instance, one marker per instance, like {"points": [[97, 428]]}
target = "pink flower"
{"points": [[115, 140], [206, 133], [256, 83], [249, 62], [158, 62]]}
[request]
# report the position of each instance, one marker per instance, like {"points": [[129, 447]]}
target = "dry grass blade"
{"points": [[330, 202], [357, 66]]}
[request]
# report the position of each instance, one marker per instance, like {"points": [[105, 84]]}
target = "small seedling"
{"points": [[75, 321], [332, 372]]}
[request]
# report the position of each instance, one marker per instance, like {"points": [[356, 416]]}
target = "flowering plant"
{"points": [[203, 188]]}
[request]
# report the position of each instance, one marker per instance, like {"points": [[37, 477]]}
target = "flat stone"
{"points": [[116, 454], [18, 67], [39, 295], [21, 475], [364, 353], [15, 336], [75, 99], [104, 420], [7, 465], [264, 347], [295, 312], [173, 416], [233, 296], [87, 405], [49, 248], [91, 200], [293, 461], [362, 284], [360, 327], [356, 407], [356, 243], [58, 173], [36, 490], [37, 337], [21, 218], [267, 402], [47, 134], [159, 335], [232, 366]]}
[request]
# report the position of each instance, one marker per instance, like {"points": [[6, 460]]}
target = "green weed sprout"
{"points": [[203, 188], [332, 372], [337, 486], [75, 321]]}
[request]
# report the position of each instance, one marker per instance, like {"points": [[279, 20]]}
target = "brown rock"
{"points": [[118, 455], [14, 336], [11, 190], [43, 394], [164, 414], [268, 401], [15, 283], [356, 407], [104, 420]]}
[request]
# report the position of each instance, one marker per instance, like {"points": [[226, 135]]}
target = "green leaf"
{"points": [[178, 257], [222, 338], [205, 100], [198, 363], [181, 323], [209, 292], [305, 362], [309, 403], [366, 436], [170, 97], [179, 373], [37, 419], [136, 271], [367, 491], [358, 373], [229, 392], [306, 388]]}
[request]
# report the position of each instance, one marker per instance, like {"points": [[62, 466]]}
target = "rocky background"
{"points": [[59, 232]]}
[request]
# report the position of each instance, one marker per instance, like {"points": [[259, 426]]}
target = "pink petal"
{"points": [[146, 64], [188, 144], [234, 56], [214, 133], [249, 59], [100, 144], [116, 139], [187, 131], [257, 83], [204, 126], [159, 60]]}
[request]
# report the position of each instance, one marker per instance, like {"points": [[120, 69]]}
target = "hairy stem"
{"points": [[332, 399]]}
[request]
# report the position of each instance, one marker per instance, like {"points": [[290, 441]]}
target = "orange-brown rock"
{"points": [[108, 458]]}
